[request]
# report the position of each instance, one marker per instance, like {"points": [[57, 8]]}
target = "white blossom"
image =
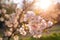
{"points": [[22, 31], [1, 19], [50, 23], [8, 23]]}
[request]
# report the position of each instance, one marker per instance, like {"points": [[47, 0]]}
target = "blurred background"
{"points": [[52, 13]]}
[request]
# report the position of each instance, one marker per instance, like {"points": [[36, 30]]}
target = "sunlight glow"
{"points": [[43, 4]]}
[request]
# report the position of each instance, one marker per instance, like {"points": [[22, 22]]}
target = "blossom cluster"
{"points": [[35, 23], [32, 23]]}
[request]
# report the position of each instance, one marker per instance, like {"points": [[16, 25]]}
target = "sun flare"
{"points": [[43, 4]]}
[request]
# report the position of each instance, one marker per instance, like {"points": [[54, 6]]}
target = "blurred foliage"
{"points": [[9, 10], [52, 36]]}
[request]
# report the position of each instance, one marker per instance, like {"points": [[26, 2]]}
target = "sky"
{"points": [[19, 2], [31, 0], [58, 0]]}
